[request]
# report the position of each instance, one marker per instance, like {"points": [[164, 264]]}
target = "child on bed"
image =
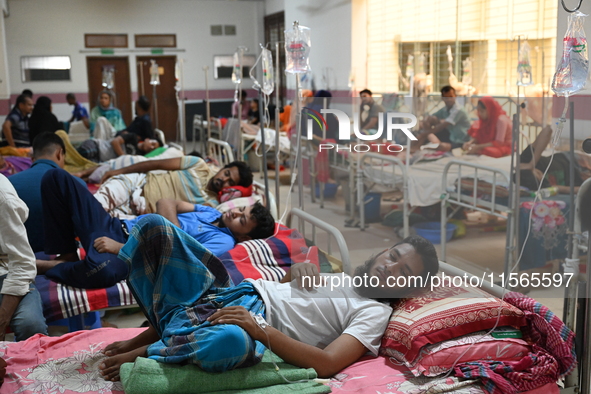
{"points": [[198, 316], [70, 211]]}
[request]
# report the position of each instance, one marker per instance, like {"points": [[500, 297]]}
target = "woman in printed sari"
{"points": [[490, 135], [105, 119]]}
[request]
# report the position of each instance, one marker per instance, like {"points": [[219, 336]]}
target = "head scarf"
{"points": [[42, 119], [98, 101], [485, 131]]}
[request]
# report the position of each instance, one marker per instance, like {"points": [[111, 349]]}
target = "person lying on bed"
{"points": [[134, 190], [204, 320], [125, 144], [70, 211], [533, 165]]}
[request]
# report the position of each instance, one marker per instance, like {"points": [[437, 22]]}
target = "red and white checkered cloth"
{"points": [[552, 355]]}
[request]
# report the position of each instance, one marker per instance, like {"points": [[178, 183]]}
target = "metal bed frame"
{"points": [[455, 198], [331, 234], [304, 221]]}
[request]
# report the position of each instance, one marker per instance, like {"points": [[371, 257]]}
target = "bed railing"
{"points": [[220, 151], [386, 171], [454, 196], [330, 235], [469, 180]]}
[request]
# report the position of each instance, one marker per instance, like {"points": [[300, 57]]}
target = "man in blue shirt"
{"points": [[70, 210], [48, 152], [79, 112], [141, 125], [15, 130], [448, 127]]}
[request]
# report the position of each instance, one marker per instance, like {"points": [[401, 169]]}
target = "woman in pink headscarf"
{"points": [[491, 133]]}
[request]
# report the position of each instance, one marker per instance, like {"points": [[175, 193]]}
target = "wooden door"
{"points": [[274, 27], [121, 87], [164, 112]]}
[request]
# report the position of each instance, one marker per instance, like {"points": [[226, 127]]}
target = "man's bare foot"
{"points": [[107, 245], [45, 265], [145, 338], [111, 365], [86, 173]]}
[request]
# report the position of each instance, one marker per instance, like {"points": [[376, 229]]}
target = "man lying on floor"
{"points": [[134, 190], [70, 211], [533, 166], [197, 316]]}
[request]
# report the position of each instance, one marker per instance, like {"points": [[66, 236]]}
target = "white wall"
{"points": [[58, 27], [4, 77], [330, 24], [274, 6]]}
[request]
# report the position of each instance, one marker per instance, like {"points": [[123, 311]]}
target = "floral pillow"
{"points": [[442, 314], [439, 358]]}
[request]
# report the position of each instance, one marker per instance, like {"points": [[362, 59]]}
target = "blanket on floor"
{"points": [[147, 376]]}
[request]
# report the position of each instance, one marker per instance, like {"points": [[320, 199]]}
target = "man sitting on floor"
{"points": [[48, 152], [70, 210], [204, 320], [134, 190]]}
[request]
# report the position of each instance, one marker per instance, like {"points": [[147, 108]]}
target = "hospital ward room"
{"points": [[276, 196]]}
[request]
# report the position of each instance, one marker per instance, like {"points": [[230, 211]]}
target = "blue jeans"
{"points": [[70, 210], [28, 318]]}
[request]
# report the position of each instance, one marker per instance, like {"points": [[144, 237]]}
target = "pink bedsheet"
{"points": [[66, 364], [69, 364], [380, 375]]}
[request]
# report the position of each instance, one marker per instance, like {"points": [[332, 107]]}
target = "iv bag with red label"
{"points": [[297, 49], [266, 59], [573, 70]]}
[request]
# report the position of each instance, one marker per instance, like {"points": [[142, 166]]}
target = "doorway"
{"points": [[274, 28], [121, 85], [164, 111]]}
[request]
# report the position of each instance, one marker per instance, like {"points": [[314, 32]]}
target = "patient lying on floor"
{"points": [[193, 307], [533, 166]]}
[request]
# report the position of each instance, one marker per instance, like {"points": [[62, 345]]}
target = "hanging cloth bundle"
{"points": [[410, 71], [524, 76], [467, 71]]}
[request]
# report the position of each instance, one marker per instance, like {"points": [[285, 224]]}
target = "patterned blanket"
{"points": [[552, 355], [61, 301]]}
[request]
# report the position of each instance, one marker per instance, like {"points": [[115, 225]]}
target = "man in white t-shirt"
{"points": [[198, 317]]}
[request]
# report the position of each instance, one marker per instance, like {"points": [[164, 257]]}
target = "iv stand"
{"points": [[207, 109]]}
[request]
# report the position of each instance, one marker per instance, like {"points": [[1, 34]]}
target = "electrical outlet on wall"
{"points": [[216, 30]]}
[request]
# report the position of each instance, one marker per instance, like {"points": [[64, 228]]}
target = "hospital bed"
{"points": [[55, 364], [66, 302]]}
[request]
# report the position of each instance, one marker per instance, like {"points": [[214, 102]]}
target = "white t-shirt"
{"points": [[320, 316]]}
